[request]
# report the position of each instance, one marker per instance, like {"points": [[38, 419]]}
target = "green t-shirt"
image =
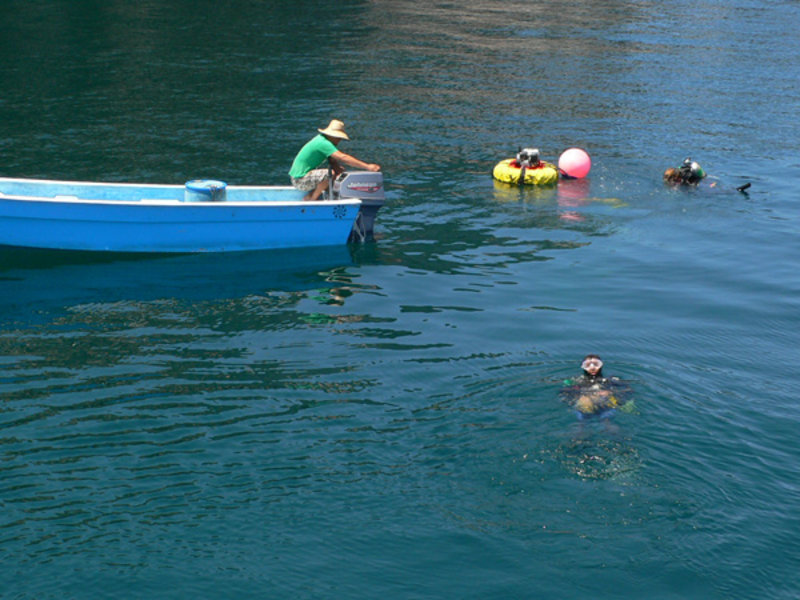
{"points": [[311, 156]]}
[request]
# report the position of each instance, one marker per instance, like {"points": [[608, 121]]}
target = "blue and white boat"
{"points": [[200, 216]]}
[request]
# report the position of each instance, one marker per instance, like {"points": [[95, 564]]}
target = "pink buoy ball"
{"points": [[575, 163]]}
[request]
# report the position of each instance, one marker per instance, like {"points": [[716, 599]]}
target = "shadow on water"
{"points": [[41, 281]]}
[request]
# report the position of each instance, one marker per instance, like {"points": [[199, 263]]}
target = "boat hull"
{"points": [[137, 218]]}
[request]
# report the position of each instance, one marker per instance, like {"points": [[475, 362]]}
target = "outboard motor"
{"points": [[367, 187]]}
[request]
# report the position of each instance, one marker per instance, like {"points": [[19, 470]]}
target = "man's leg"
{"points": [[317, 191]]}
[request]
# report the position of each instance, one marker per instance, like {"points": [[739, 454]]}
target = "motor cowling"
{"points": [[367, 186], [364, 185]]}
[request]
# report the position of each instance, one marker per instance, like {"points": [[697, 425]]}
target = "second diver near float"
{"points": [[592, 395], [689, 173]]}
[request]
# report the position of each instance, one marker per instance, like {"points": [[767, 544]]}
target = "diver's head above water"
{"points": [[592, 365], [689, 173]]}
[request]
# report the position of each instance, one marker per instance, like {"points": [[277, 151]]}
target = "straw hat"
{"points": [[335, 129]]}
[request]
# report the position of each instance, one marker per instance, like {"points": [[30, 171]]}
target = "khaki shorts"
{"points": [[310, 180]]}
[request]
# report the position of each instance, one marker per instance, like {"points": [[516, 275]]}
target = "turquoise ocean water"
{"points": [[383, 420]]}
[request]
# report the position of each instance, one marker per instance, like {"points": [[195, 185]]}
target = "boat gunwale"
{"points": [[71, 199], [144, 200], [96, 184]]}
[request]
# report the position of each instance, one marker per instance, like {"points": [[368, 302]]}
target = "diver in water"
{"points": [[594, 396], [689, 173]]}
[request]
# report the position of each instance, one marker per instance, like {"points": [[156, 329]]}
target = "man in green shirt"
{"points": [[309, 172]]}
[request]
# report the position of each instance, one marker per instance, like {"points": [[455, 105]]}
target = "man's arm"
{"points": [[341, 157]]}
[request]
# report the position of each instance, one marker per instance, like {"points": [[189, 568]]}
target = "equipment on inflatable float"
{"points": [[527, 169]]}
